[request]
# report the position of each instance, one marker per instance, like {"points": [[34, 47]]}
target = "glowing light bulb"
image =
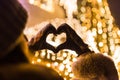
{"points": [[69, 69], [56, 64], [100, 44], [99, 1], [71, 75], [64, 55], [66, 73], [83, 9], [74, 59], [99, 24], [53, 57], [43, 54], [31, 1], [38, 60], [36, 54], [100, 31], [61, 68], [48, 64], [33, 62], [118, 32]]}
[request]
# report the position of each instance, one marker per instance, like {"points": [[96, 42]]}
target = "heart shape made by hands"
{"points": [[72, 42], [56, 40]]}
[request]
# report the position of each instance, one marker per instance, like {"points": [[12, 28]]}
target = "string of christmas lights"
{"points": [[94, 16]]}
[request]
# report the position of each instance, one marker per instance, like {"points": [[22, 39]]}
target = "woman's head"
{"points": [[13, 18], [92, 66]]}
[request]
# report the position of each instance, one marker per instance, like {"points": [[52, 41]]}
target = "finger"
{"points": [[63, 28], [60, 47], [50, 47], [39, 41], [68, 45], [73, 35], [49, 28], [43, 33], [35, 47], [67, 29]]}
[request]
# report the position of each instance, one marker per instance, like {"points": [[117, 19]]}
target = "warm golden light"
{"points": [[99, 1], [96, 22], [100, 44], [36, 54], [56, 64], [38, 60], [48, 64], [33, 62], [71, 75], [42, 54], [61, 67], [31, 1], [70, 10]]}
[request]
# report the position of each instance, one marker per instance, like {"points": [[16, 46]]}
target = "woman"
{"points": [[15, 56]]}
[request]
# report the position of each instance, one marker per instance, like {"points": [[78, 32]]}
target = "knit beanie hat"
{"points": [[13, 18]]}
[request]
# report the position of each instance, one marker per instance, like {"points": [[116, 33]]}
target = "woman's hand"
{"points": [[39, 41], [73, 42]]}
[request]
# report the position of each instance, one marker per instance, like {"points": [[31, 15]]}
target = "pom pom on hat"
{"points": [[13, 18]]}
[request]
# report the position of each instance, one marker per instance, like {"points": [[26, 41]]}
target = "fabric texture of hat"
{"points": [[13, 18]]}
